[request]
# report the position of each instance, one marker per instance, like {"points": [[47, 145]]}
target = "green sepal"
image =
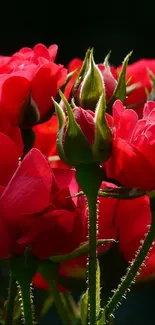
{"points": [[84, 308], [80, 77], [83, 249], [106, 60], [120, 91], [80, 153], [62, 120], [102, 146], [92, 86]]}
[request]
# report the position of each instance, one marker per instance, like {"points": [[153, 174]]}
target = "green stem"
{"points": [[27, 306], [10, 302], [89, 178], [128, 280], [92, 201]]}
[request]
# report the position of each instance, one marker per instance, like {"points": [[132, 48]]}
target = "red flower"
{"points": [[133, 157], [45, 141], [138, 72], [35, 210], [30, 71]]}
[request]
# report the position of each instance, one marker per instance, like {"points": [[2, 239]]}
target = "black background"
{"points": [[105, 25]]}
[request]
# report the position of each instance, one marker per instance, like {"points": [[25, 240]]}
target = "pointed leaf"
{"points": [[106, 61], [120, 91], [84, 307]]}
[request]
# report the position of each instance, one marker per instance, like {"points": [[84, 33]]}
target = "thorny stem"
{"points": [[133, 269], [92, 260], [89, 179], [27, 304]]}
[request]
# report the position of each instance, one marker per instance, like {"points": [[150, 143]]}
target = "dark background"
{"points": [[120, 26], [106, 25]]}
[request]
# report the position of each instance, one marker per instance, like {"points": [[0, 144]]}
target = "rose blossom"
{"points": [[133, 158], [35, 210], [30, 72]]}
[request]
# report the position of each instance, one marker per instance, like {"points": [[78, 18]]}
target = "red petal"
{"points": [[53, 51], [74, 64], [28, 190], [13, 91], [129, 119], [46, 134], [133, 219], [129, 166], [40, 50], [117, 111], [45, 86]]}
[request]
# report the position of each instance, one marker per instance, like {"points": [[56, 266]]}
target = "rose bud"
{"points": [[84, 136]]}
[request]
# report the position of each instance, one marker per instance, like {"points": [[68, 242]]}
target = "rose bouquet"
{"points": [[77, 181]]}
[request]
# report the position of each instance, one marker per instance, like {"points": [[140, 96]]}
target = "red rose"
{"points": [[45, 141], [35, 210], [133, 157], [30, 72], [138, 72]]}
